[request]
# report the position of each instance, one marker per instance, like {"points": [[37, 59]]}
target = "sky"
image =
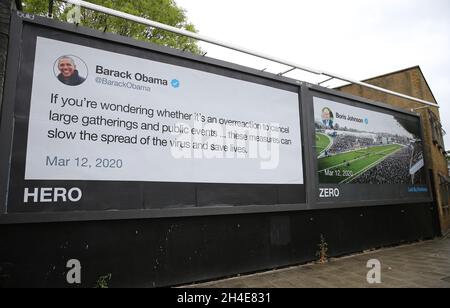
{"points": [[358, 39]]}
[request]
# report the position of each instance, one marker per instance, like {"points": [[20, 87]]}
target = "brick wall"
{"points": [[412, 82]]}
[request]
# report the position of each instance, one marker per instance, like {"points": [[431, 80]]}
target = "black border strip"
{"points": [[7, 107]]}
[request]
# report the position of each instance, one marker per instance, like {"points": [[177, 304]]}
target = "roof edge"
{"points": [[393, 73]]}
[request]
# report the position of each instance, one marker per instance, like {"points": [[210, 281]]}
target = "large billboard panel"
{"points": [[101, 125], [365, 149]]}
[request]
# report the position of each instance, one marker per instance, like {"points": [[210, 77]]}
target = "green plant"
{"points": [[163, 11], [322, 254], [102, 281]]}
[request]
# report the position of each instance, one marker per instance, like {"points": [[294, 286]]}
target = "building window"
{"points": [[448, 161], [437, 131], [444, 186]]}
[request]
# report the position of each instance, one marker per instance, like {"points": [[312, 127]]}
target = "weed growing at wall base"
{"points": [[322, 254]]}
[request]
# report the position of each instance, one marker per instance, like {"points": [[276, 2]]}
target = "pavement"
{"points": [[419, 265]]}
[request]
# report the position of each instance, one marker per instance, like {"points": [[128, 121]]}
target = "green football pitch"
{"points": [[344, 167], [322, 142]]}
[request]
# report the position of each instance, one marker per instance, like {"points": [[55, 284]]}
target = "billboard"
{"points": [[103, 126], [99, 126], [369, 150]]}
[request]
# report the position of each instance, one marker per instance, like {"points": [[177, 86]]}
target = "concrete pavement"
{"points": [[418, 265]]}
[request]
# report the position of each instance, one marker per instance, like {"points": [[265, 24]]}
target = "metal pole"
{"points": [[285, 72], [193, 35], [203, 38], [50, 8]]}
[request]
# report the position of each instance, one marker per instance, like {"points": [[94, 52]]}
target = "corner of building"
{"points": [[411, 81]]}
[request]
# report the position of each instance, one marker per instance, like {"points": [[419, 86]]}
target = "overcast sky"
{"points": [[355, 38]]}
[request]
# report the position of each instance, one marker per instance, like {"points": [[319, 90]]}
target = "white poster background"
{"points": [[198, 92]]}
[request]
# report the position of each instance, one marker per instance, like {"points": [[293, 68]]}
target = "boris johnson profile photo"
{"points": [[327, 117], [70, 70]]}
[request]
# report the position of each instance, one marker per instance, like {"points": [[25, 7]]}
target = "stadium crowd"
{"points": [[392, 170], [344, 143]]}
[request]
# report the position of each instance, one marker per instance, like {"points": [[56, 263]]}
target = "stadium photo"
{"points": [[359, 146]]}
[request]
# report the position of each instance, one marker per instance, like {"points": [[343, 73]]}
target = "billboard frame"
{"points": [[308, 91], [305, 90], [18, 20]]}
